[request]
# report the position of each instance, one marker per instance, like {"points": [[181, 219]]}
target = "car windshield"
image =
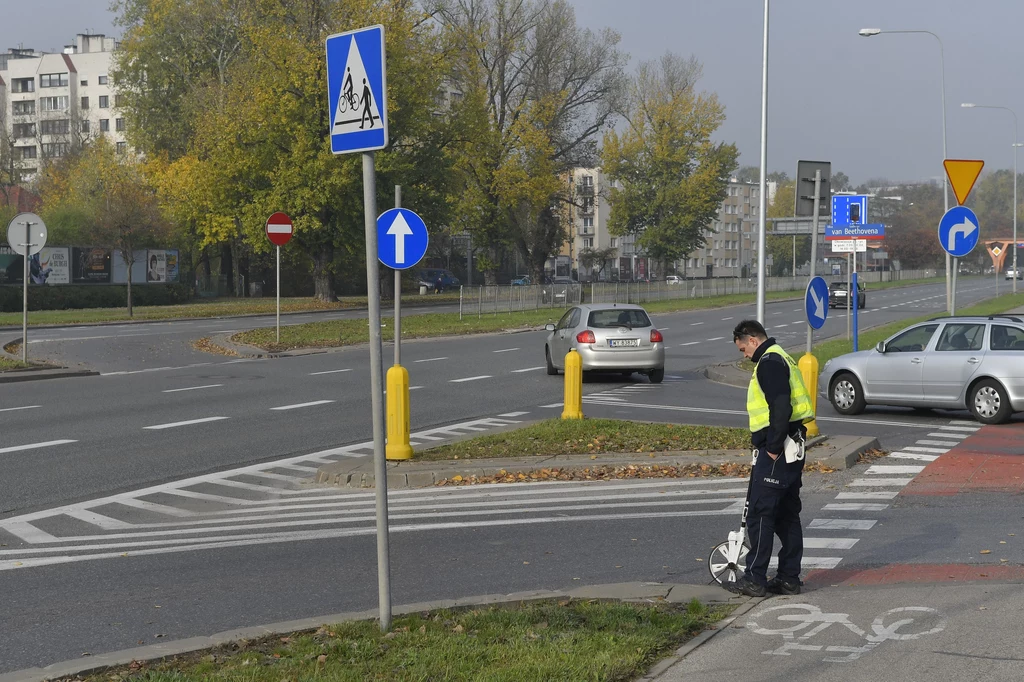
{"points": [[616, 317]]}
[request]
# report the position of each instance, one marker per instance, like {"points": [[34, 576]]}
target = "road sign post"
{"points": [[398, 294], [816, 308], [855, 293], [26, 235], [357, 98], [962, 174], [279, 231]]}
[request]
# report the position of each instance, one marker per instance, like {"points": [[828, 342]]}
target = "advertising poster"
{"points": [[50, 266], [119, 271], [90, 265], [156, 269], [172, 265], [11, 267]]}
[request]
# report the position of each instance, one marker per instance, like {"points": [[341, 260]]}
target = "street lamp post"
{"points": [[762, 185], [867, 33], [970, 105]]}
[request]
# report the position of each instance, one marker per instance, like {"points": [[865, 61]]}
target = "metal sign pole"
{"points": [[24, 307], [398, 293], [380, 478], [952, 299], [814, 243], [849, 329], [278, 288]]}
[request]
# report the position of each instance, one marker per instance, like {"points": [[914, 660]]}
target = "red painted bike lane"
{"points": [[990, 460]]}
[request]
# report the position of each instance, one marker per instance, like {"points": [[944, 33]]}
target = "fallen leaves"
{"points": [[207, 346], [871, 455], [606, 473]]}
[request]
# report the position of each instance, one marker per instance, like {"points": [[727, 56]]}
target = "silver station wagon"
{"points": [[974, 363], [609, 338]]}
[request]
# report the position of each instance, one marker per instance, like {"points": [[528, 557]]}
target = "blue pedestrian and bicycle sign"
{"points": [[401, 238], [357, 90], [816, 302], [959, 230]]}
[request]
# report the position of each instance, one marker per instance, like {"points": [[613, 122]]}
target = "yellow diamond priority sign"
{"points": [[996, 251], [962, 174]]}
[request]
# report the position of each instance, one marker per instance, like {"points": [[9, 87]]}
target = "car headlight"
{"points": [[825, 367]]}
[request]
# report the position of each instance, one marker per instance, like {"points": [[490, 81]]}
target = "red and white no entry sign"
{"points": [[279, 229]]}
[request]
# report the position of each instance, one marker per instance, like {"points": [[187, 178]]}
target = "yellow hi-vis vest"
{"points": [[757, 405]]}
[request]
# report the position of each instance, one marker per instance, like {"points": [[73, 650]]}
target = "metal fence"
{"points": [[503, 299]]}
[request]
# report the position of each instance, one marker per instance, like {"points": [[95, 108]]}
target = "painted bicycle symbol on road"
{"points": [[799, 623]]}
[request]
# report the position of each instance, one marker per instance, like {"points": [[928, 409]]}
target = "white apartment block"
{"points": [[588, 216], [51, 102]]}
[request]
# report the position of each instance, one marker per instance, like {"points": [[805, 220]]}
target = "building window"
{"points": [[54, 103], [615, 243], [53, 80], [104, 102], [84, 82], [85, 126], [24, 130], [55, 150], [588, 222], [119, 125], [24, 108], [26, 152], [85, 102], [588, 180], [104, 125], [23, 85], [55, 127], [102, 80], [122, 147], [588, 243]]}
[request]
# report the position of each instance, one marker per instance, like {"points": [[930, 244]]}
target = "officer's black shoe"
{"points": [[746, 586], [779, 586]]}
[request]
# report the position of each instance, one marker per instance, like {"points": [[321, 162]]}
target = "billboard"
{"points": [[90, 265], [119, 271], [156, 267], [51, 265]]}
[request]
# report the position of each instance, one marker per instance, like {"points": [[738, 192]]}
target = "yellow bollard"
{"points": [[809, 369], [398, 414], [573, 399]]}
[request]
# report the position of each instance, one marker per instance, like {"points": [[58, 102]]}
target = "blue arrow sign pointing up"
{"points": [[402, 238]]}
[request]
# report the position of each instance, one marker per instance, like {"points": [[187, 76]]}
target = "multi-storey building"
{"points": [[591, 250], [51, 102], [731, 239]]}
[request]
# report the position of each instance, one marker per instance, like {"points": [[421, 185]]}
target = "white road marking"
{"points": [[528, 369], [824, 562], [948, 435], [330, 371], [694, 324], [459, 381], [841, 524], [935, 451], [716, 338], [882, 495], [24, 407], [854, 506], [829, 543], [726, 318], [504, 350], [299, 405], [513, 414], [33, 446], [172, 425], [191, 388], [943, 443], [690, 343], [879, 482], [430, 360], [914, 455], [884, 469], [969, 429]]}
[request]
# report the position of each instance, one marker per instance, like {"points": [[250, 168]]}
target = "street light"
{"points": [[762, 185], [971, 105], [867, 33]]}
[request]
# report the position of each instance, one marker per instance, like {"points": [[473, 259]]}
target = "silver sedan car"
{"points": [[609, 338], [955, 363]]}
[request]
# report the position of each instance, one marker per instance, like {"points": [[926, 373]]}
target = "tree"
{"points": [[111, 193], [673, 175], [992, 200], [535, 91], [748, 174], [839, 182], [595, 257], [780, 177]]}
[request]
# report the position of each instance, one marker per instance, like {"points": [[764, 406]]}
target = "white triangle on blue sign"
{"points": [[357, 106]]}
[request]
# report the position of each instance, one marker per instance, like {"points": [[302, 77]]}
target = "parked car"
{"points": [[673, 279], [428, 278], [523, 281], [609, 338], [1019, 273], [837, 295], [975, 363], [564, 290]]}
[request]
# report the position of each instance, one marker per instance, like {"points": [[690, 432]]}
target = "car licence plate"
{"points": [[624, 343], [840, 294]]}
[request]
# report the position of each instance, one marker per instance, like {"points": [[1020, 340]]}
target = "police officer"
{"points": [[778, 405]]}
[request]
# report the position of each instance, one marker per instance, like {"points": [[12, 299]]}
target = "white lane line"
{"points": [[172, 425], [551, 405], [513, 414], [726, 318], [24, 407], [841, 524], [430, 360], [855, 506], [779, 326], [882, 495], [299, 405], [413, 388], [690, 343], [716, 338], [696, 323], [914, 455], [528, 369], [968, 429], [777, 313], [884, 469], [32, 446], [879, 482], [504, 350], [191, 388], [943, 443], [330, 371], [663, 329], [459, 381], [829, 543]]}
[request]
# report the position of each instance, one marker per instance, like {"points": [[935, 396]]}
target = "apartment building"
{"points": [[591, 250], [52, 102]]}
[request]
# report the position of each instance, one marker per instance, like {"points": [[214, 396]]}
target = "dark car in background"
{"points": [[428, 278], [837, 295]]}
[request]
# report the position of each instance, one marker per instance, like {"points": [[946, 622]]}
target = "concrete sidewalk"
{"points": [[937, 632]]}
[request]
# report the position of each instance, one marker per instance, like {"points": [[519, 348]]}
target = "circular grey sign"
{"points": [[36, 235]]}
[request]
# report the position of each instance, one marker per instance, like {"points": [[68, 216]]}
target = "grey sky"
{"points": [[871, 106]]}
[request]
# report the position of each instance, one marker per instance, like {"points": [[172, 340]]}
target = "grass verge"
{"points": [[580, 437], [567, 640], [7, 363]]}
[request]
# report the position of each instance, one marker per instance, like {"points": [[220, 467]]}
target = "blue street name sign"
{"points": [[401, 238], [816, 302], [873, 231], [849, 209], [357, 90], [959, 231]]}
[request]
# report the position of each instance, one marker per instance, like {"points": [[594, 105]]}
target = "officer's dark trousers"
{"points": [[774, 510]]}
